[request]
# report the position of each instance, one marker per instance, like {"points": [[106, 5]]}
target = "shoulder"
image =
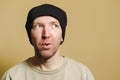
{"points": [[19, 66], [80, 69], [76, 64], [15, 70]]}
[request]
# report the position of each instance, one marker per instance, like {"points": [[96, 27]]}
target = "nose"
{"points": [[45, 33]]}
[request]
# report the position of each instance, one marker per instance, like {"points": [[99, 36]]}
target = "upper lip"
{"points": [[45, 43]]}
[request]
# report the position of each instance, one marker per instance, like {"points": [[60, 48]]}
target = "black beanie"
{"points": [[46, 10]]}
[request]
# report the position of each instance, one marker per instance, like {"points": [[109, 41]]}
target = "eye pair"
{"points": [[37, 26]]}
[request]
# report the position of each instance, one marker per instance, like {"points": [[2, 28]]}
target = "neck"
{"points": [[50, 64]]}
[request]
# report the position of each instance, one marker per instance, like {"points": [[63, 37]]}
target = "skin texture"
{"points": [[46, 35]]}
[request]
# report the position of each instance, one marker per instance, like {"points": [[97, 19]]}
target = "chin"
{"points": [[45, 55]]}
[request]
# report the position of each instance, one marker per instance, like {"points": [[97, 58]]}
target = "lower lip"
{"points": [[46, 47]]}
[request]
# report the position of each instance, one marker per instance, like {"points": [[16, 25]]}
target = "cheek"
{"points": [[58, 37], [35, 36]]}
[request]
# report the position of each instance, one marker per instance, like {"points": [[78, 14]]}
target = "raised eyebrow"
{"points": [[34, 24], [55, 23]]}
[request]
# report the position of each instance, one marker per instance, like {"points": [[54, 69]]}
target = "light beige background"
{"points": [[92, 36]]}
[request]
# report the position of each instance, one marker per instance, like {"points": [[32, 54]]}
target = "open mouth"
{"points": [[46, 46]]}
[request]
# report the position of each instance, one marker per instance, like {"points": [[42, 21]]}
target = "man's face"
{"points": [[46, 36]]}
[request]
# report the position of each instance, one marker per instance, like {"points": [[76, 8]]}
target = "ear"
{"points": [[61, 39]]}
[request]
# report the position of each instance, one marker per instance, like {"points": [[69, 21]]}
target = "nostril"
{"points": [[44, 37]]}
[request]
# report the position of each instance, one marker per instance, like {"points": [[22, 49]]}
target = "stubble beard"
{"points": [[44, 55]]}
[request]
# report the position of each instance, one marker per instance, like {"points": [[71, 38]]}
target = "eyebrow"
{"points": [[54, 22]]}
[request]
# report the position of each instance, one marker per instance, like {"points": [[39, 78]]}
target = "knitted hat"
{"points": [[46, 10]]}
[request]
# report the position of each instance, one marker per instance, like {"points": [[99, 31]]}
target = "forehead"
{"points": [[45, 19]]}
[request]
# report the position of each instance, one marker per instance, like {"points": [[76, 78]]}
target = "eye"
{"points": [[37, 26], [55, 25]]}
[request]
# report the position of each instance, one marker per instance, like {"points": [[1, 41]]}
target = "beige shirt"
{"points": [[70, 70]]}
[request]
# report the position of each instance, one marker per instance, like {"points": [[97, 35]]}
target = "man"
{"points": [[46, 25]]}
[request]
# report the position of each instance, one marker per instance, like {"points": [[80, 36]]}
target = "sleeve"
{"points": [[88, 75], [6, 76]]}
